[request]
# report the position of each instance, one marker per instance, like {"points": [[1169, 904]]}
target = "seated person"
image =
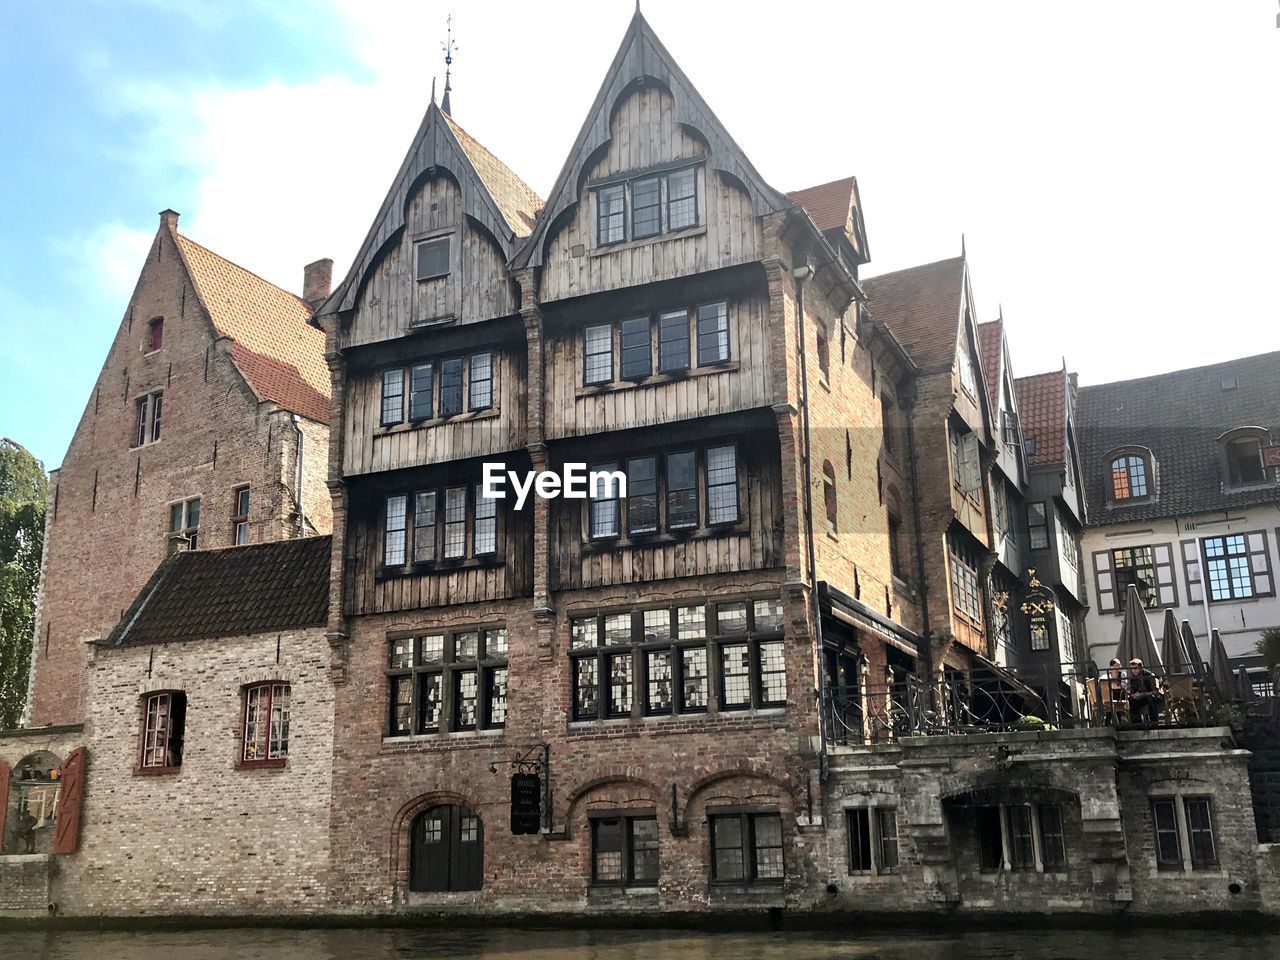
{"points": [[1145, 695]]}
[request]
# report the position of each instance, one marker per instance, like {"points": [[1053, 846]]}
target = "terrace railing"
{"points": [[986, 699]]}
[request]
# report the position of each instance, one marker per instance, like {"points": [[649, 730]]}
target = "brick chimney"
{"points": [[169, 218], [317, 281]]}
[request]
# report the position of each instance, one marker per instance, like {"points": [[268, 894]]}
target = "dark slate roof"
{"points": [[1042, 405], [203, 594], [921, 306], [1179, 417]]}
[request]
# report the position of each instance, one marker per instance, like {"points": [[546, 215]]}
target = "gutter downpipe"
{"points": [[801, 275], [302, 517], [919, 536]]}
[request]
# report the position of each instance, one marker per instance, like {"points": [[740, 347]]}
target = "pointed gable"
{"points": [[491, 196], [835, 208], [922, 306], [642, 61], [279, 354]]}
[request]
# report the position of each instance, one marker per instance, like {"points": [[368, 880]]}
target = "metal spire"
{"points": [[448, 47]]}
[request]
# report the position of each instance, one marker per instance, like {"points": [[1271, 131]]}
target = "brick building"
{"points": [[206, 427], [722, 678]]}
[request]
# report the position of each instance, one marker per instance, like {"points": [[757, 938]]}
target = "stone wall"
{"points": [[1102, 781]]}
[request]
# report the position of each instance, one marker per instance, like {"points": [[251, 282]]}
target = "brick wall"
{"points": [[111, 500], [215, 837]]}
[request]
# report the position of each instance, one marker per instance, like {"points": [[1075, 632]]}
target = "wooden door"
{"points": [[447, 850]]}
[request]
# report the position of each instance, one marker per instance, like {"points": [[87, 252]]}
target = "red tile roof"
{"points": [[921, 306], [827, 204], [280, 355], [517, 200], [990, 343], [1042, 402]]}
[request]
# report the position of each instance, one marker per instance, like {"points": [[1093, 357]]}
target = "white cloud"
{"points": [[1097, 158]]}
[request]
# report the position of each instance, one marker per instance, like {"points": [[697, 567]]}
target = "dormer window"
{"points": [[1244, 463], [155, 334], [1130, 477], [432, 258]]}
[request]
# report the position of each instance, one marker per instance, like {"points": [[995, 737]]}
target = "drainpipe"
{"points": [[801, 275], [302, 519], [922, 583]]}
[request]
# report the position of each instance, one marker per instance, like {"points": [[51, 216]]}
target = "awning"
{"points": [[861, 617]]}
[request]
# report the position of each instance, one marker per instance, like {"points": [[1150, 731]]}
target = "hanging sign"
{"points": [[526, 803], [1271, 456]]}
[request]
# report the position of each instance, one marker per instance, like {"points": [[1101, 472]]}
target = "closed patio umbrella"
{"points": [[1246, 688], [1135, 633], [1172, 649], [1219, 665], [1193, 650]]}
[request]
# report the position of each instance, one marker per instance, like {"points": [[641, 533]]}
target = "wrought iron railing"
{"points": [[986, 699]]}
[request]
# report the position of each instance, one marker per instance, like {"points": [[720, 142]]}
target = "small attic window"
{"points": [[1029, 446], [155, 334], [1230, 383], [433, 258]]}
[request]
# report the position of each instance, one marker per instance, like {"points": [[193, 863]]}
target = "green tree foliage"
{"points": [[1269, 647], [22, 495]]}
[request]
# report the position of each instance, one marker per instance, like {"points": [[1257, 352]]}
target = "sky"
{"points": [[1113, 167]]}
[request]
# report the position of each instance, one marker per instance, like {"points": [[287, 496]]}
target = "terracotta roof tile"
{"points": [[1042, 408], [990, 342], [921, 306], [518, 202], [276, 350], [233, 592], [827, 204]]}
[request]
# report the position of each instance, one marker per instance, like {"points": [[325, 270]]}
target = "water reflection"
{"points": [[628, 945]]}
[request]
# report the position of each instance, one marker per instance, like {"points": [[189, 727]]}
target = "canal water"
{"points": [[1140, 944]]}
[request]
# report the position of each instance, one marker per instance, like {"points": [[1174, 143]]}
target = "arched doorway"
{"points": [[446, 850]]}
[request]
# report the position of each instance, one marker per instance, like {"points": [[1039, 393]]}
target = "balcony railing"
{"points": [[987, 699]]}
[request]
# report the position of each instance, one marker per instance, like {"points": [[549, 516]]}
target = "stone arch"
{"points": [[399, 838], [581, 796]]}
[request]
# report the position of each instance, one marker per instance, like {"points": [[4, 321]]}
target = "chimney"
{"points": [[317, 281], [169, 218]]}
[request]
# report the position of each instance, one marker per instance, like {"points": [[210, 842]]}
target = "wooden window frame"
{"points": [[490, 667], [677, 344], [175, 703], [435, 535], [633, 207], [1038, 508], [239, 517], [187, 531], [273, 757], [680, 637], [877, 818], [668, 200], [588, 353], [148, 416], [445, 240], [625, 821], [1233, 439], [962, 570], [155, 336], [620, 190], [747, 825], [1031, 858], [1137, 465], [414, 410], [636, 323]]}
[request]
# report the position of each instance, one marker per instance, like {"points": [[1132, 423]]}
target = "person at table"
{"points": [[1117, 692], [1145, 698]]}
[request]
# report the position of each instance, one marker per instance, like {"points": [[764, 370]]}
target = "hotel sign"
{"points": [[1271, 456]]}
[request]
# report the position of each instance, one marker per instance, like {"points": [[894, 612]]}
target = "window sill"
{"points": [[724, 713], [407, 426], [603, 250], [439, 567], [273, 764], [157, 771], [612, 544], [655, 379], [143, 446], [395, 744], [151, 353], [1230, 488]]}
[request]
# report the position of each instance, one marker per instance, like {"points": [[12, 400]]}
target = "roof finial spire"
{"points": [[448, 47], [962, 251], [433, 89]]}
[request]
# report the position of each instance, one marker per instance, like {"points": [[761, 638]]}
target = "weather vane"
{"points": [[448, 47]]}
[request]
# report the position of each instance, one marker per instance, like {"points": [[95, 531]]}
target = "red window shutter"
{"points": [[4, 799], [66, 829]]}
